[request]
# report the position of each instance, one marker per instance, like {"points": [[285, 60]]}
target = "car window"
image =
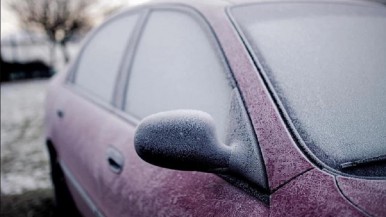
{"points": [[100, 60], [178, 66], [327, 66]]}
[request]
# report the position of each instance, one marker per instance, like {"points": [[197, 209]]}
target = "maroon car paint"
{"points": [[80, 138], [283, 159], [369, 195], [312, 194]]}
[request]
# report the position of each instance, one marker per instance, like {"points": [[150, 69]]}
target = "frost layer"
{"points": [[24, 160]]}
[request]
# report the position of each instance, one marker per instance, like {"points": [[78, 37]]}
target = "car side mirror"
{"points": [[187, 140], [182, 140]]}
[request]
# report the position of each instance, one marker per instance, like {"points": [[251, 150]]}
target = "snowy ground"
{"points": [[24, 159]]}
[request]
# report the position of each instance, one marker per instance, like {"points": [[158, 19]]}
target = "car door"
{"points": [[177, 64], [85, 108]]}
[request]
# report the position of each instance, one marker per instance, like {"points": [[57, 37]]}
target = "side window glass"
{"points": [[100, 60], [178, 66]]}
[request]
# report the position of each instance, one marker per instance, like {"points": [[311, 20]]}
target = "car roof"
{"points": [[210, 6], [200, 3], [224, 3]]}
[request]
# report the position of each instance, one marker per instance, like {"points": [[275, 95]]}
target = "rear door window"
{"points": [[100, 60]]}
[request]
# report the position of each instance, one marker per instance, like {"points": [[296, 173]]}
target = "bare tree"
{"points": [[60, 20]]}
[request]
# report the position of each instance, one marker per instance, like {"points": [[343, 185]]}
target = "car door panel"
{"points": [[76, 140], [146, 190]]}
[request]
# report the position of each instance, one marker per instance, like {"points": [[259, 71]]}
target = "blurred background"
{"points": [[38, 39]]}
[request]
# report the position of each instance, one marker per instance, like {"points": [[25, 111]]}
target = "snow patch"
{"points": [[24, 159]]}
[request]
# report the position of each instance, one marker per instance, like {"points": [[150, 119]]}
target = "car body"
{"points": [[208, 63]]}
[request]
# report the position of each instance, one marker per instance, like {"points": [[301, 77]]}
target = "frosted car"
{"points": [[224, 109]]}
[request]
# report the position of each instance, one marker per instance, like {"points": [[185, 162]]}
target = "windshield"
{"points": [[326, 63]]}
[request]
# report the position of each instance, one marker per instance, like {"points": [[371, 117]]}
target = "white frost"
{"points": [[24, 159]]}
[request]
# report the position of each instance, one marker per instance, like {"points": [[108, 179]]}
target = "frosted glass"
{"points": [[327, 63], [177, 67], [99, 64]]}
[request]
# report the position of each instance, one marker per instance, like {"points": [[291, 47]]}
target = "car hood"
{"points": [[368, 195]]}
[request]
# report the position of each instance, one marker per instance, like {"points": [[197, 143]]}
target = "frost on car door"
{"points": [[177, 65], [85, 102]]}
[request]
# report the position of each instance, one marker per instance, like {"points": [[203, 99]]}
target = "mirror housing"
{"points": [[187, 140], [182, 140]]}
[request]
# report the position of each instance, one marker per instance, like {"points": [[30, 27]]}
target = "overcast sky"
{"points": [[9, 23]]}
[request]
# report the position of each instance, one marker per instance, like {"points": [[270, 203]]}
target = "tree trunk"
{"points": [[52, 54], [66, 56]]}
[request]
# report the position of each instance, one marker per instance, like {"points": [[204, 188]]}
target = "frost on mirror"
{"points": [[182, 140], [100, 61], [186, 140], [177, 67]]}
